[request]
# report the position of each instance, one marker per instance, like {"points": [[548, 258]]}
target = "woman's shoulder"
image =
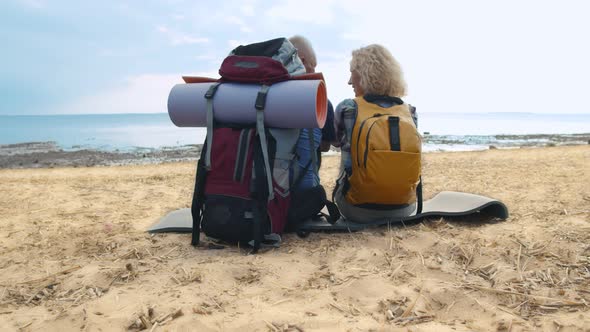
{"points": [[345, 105]]}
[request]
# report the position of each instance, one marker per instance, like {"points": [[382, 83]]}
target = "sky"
{"points": [[95, 57]]}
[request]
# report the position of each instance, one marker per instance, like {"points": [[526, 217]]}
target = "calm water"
{"points": [[448, 131]]}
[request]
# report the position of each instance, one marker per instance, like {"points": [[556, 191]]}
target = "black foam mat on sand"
{"points": [[444, 204]]}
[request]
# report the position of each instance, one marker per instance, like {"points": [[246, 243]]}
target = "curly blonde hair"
{"points": [[379, 72]]}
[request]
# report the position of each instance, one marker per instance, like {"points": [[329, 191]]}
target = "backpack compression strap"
{"points": [[198, 199], [260, 103], [312, 150], [419, 199], [209, 96], [259, 208]]}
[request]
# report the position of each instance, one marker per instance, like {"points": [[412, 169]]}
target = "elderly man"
{"points": [[323, 137], [309, 197]]}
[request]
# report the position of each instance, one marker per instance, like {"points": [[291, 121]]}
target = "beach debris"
{"points": [[464, 256], [398, 312], [249, 277], [279, 327], [25, 326], [133, 253], [540, 303], [413, 319], [124, 275], [503, 325], [202, 310], [207, 307], [488, 272], [393, 309], [283, 327], [349, 309], [146, 319], [51, 292], [52, 276]]}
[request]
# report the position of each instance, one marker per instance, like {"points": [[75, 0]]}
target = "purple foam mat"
{"points": [[289, 104]]}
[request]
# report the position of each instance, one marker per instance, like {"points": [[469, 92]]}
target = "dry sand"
{"points": [[74, 255]]}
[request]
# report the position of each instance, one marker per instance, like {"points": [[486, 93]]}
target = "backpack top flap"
{"points": [[267, 48], [279, 49], [200, 79], [254, 63], [252, 69]]}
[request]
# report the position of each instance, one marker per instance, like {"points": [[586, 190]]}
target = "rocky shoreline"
{"points": [[48, 155]]}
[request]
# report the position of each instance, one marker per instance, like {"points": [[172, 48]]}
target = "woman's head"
{"points": [[375, 71]]}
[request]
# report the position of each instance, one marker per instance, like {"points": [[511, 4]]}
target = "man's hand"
{"points": [[325, 146]]}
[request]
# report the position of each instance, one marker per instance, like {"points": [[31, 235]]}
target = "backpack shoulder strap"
{"points": [[419, 199], [209, 96], [312, 149], [333, 212], [260, 103], [198, 197]]}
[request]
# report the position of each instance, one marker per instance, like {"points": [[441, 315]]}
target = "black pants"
{"points": [[305, 204]]}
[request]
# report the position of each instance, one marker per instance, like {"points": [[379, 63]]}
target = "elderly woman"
{"points": [[379, 175]]}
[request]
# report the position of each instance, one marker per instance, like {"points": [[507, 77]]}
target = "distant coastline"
{"points": [[482, 142], [139, 134], [51, 154]]}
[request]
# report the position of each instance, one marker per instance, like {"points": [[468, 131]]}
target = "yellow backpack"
{"points": [[386, 157]]}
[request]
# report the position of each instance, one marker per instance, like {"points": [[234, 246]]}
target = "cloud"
{"points": [[247, 9], [239, 22], [333, 56], [233, 43], [178, 38], [111, 53], [353, 36], [205, 57], [303, 11], [36, 4], [146, 93]]}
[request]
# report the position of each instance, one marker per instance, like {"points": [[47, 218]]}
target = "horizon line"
{"points": [[462, 113]]}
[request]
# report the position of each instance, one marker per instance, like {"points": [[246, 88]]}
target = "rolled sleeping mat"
{"points": [[289, 104]]}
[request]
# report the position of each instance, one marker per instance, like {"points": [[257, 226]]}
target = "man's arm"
{"points": [[328, 132]]}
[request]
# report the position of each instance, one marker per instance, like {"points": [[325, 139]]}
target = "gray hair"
{"points": [[304, 48]]}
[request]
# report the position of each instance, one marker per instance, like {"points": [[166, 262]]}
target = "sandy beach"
{"points": [[74, 255]]}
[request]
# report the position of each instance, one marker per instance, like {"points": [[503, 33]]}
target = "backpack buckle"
{"points": [[261, 97], [211, 91]]}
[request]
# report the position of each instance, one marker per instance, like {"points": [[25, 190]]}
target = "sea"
{"points": [[441, 131]]}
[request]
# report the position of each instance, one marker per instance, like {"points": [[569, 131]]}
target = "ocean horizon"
{"points": [[442, 131]]}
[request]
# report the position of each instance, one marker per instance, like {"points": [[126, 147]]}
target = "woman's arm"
{"points": [[342, 115]]}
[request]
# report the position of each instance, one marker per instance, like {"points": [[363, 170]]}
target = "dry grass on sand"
{"points": [[74, 256]]}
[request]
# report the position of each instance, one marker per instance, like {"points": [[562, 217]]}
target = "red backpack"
{"points": [[242, 188]]}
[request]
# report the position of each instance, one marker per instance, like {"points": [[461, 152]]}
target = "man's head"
{"points": [[305, 52]]}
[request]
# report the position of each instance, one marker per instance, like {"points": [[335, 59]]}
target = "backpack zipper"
{"points": [[358, 159], [290, 58], [367, 143]]}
